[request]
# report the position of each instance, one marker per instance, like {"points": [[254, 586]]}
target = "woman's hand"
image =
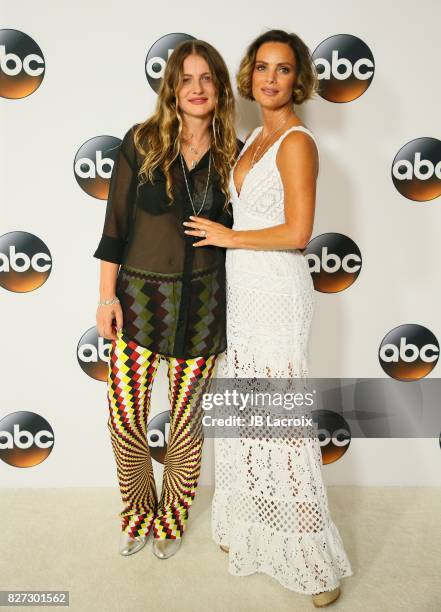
{"points": [[104, 320], [216, 234]]}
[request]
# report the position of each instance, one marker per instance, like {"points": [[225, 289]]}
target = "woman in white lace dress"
{"points": [[270, 508]]}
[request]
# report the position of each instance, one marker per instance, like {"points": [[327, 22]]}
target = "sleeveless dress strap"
{"points": [[292, 129]]}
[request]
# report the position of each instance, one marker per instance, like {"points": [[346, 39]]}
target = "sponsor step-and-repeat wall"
{"points": [[71, 87]]}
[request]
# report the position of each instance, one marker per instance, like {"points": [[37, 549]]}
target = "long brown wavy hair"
{"points": [[158, 138]]}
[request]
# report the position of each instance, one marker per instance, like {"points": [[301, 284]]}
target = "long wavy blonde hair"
{"points": [[158, 138]]}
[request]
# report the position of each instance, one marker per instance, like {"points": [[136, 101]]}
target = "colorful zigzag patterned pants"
{"points": [[131, 373]]}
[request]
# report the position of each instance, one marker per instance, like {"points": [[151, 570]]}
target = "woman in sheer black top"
{"points": [[172, 295], [160, 298]]}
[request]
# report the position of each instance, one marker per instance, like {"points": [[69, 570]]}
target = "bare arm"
{"points": [[108, 275], [105, 315], [297, 161]]}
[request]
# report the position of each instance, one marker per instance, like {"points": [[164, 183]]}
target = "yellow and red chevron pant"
{"points": [[131, 373]]}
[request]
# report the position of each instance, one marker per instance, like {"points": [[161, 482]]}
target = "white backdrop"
{"points": [[95, 84]]}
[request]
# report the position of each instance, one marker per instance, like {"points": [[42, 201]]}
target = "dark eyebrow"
{"points": [[203, 74], [279, 63]]}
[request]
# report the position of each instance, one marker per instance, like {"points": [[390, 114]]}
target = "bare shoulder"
{"points": [[300, 148], [298, 139], [297, 143]]}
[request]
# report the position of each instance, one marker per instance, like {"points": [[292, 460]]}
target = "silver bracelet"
{"points": [[114, 300]]}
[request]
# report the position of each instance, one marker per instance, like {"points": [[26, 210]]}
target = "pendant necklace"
{"points": [[196, 214], [194, 150], [266, 139]]}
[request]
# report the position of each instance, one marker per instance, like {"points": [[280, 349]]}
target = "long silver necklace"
{"points": [[196, 214]]}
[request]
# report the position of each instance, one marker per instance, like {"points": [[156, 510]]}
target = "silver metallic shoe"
{"points": [[129, 545], [164, 549]]}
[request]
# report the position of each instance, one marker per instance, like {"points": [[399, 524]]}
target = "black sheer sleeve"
{"points": [[119, 203]]}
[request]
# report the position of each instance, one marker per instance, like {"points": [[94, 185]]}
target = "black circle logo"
{"points": [[334, 262], [416, 169], [22, 65], [93, 354], [408, 352], [158, 55], [25, 262], [333, 433], [26, 439], [157, 435], [345, 67], [93, 165]]}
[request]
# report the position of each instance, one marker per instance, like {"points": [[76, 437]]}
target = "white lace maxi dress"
{"points": [[270, 504]]}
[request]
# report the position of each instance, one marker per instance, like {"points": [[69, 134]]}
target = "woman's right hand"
{"points": [[105, 316]]}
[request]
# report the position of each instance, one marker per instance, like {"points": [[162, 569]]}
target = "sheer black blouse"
{"points": [[172, 294]]}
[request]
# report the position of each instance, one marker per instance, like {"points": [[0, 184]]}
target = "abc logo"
{"points": [[25, 262], [416, 169], [21, 64], [93, 165], [93, 354], [334, 262], [158, 55], [26, 439], [333, 433], [157, 435], [408, 352], [345, 67]]}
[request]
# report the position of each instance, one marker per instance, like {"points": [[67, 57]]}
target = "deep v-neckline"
{"points": [[237, 193], [260, 128]]}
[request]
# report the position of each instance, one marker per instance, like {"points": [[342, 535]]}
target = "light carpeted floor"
{"points": [[68, 538]]}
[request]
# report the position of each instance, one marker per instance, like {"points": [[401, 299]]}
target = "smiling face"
{"points": [[197, 93], [274, 74]]}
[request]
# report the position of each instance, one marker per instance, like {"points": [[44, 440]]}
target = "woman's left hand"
{"points": [[215, 233]]}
